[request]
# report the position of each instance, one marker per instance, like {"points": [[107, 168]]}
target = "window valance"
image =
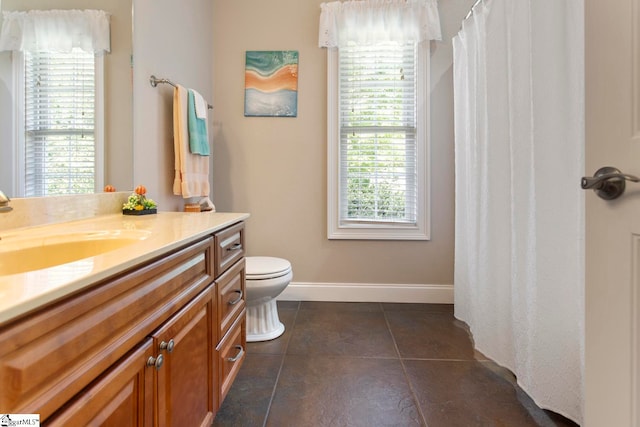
{"points": [[376, 21], [55, 31]]}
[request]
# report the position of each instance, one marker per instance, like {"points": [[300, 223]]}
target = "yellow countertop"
{"points": [[24, 292]]}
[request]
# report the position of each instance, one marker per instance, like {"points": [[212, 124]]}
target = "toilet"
{"points": [[266, 278]]}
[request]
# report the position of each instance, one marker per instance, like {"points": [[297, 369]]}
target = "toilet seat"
{"points": [[262, 267]]}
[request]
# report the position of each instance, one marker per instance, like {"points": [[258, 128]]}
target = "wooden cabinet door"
{"points": [[122, 397], [187, 379]]}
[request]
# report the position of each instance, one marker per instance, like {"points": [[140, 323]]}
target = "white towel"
{"points": [[201, 105], [191, 170]]}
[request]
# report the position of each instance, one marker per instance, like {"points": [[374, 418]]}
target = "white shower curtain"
{"points": [[519, 249]]}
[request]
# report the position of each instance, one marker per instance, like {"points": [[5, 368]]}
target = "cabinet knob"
{"points": [[155, 361], [167, 345], [237, 300], [237, 356]]}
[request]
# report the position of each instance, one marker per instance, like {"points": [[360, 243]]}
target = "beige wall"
{"points": [[275, 168], [172, 39]]}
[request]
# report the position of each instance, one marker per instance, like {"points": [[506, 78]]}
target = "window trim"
{"points": [[385, 231], [19, 135]]}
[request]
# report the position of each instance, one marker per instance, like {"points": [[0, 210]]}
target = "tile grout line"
{"points": [[284, 355], [404, 369]]}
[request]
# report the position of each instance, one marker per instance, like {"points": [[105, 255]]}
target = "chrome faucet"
{"points": [[4, 203]]}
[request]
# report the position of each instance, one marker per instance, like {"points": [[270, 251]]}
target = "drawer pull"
{"points": [[155, 361], [237, 300], [237, 356], [167, 345], [234, 247]]}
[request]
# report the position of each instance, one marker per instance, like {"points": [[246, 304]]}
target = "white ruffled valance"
{"points": [[56, 31], [376, 21]]}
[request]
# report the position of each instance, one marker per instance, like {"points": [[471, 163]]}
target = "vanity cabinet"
{"points": [[158, 345]]}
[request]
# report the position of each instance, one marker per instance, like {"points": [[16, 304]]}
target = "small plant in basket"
{"points": [[138, 203]]}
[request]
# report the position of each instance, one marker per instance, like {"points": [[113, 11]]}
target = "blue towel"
{"points": [[198, 139]]}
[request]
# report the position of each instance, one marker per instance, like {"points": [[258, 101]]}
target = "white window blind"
{"points": [[378, 130], [59, 123]]}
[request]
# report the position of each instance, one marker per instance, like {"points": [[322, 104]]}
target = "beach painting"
{"points": [[271, 83]]}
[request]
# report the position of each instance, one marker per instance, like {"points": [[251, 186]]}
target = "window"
{"points": [[378, 142], [59, 133]]}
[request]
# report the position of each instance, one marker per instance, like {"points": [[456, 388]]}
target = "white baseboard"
{"points": [[368, 292]]}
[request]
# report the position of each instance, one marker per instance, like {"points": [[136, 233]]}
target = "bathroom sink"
{"points": [[22, 254]]}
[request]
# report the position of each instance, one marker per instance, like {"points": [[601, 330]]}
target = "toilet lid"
{"points": [[264, 267]]}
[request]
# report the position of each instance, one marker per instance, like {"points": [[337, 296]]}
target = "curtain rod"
{"points": [[154, 81]]}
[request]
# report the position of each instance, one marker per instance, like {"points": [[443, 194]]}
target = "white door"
{"points": [[612, 84]]}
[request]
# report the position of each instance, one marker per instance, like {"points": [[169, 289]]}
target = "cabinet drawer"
{"points": [[48, 357], [232, 353], [229, 247], [231, 296]]}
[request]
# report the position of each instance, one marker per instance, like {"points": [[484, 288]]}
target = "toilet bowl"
{"points": [[266, 278]]}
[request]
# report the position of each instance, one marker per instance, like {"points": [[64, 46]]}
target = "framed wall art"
{"points": [[271, 83]]}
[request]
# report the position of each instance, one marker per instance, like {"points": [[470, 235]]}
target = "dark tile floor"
{"points": [[371, 364]]}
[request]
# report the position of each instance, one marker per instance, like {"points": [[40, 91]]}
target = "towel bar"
{"points": [[154, 81]]}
